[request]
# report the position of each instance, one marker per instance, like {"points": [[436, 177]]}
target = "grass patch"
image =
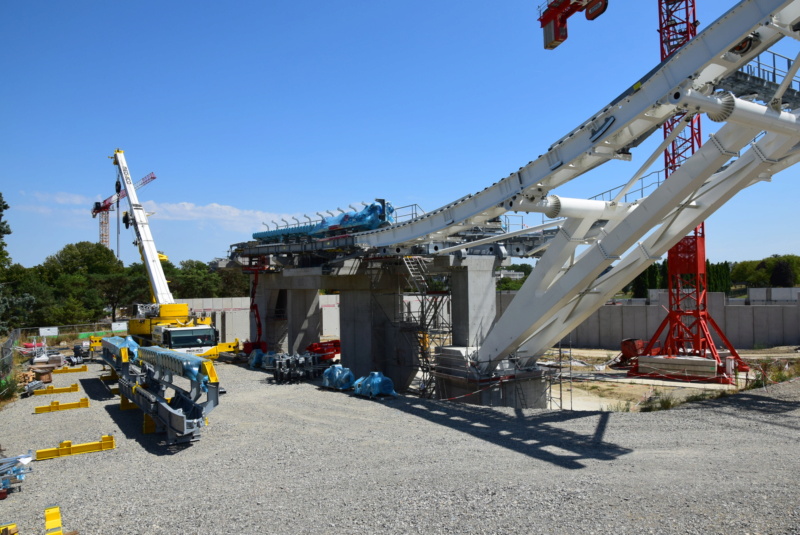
{"points": [[620, 406], [772, 371], [659, 401]]}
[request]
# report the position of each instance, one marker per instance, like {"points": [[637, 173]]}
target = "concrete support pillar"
{"points": [[272, 309], [474, 302], [370, 335], [303, 315], [356, 332]]}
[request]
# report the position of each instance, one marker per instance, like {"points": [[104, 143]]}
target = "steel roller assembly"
{"points": [[148, 377]]}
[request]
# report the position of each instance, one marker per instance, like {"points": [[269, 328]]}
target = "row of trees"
{"points": [[84, 283], [777, 271]]}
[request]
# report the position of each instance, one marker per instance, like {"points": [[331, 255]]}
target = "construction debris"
{"points": [[12, 472]]}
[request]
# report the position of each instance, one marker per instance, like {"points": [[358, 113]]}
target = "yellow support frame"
{"points": [[67, 369], [50, 389], [66, 448], [58, 406], [52, 520]]}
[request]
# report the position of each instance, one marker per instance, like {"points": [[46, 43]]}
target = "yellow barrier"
{"points": [[66, 448], [8, 529], [52, 520], [50, 389], [67, 369], [57, 406]]}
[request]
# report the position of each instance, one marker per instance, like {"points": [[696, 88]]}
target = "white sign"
{"points": [[119, 326], [48, 331]]}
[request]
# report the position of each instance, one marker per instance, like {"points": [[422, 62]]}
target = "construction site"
{"points": [[375, 378]]}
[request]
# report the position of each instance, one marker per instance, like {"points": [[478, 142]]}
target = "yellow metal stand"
{"points": [[66, 448], [52, 520], [148, 425], [67, 369], [57, 406], [111, 376], [8, 529], [125, 404], [50, 389]]}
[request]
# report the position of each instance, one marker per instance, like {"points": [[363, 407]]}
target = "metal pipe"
{"points": [[554, 206], [729, 108]]}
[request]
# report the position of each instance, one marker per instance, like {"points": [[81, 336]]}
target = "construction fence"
{"points": [[7, 381]]}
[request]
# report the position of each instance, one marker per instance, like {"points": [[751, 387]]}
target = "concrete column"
{"points": [[303, 315], [272, 309], [356, 332], [473, 299]]}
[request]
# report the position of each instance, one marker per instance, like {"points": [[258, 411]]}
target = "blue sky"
{"points": [[252, 111]]}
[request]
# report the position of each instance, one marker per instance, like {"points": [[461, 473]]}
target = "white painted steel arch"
{"points": [[563, 290]]}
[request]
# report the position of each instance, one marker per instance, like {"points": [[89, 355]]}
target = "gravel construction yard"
{"points": [[299, 459]]}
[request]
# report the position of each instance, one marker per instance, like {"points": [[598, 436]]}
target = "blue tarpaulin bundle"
{"points": [[375, 384], [338, 378]]}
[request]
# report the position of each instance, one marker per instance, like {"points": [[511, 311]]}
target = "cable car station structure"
{"points": [[588, 249]]}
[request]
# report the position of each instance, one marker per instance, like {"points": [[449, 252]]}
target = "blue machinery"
{"points": [[373, 216], [147, 375]]}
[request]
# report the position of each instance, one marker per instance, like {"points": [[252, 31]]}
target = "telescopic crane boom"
{"points": [[144, 238]]}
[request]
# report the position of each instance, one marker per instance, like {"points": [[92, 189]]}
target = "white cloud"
{"points": [[227, 217], [61, 197]]}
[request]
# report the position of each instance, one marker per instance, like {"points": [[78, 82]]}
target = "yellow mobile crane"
{"points": [[163, 322]]}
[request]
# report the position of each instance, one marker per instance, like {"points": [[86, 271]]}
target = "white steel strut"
{"points": [[620, 240]]}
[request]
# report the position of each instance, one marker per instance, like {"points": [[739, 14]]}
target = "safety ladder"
{"points": [[416, 272]]}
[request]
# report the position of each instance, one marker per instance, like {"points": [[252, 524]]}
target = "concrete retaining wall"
{"points": [[231, 315], [746, 327]]}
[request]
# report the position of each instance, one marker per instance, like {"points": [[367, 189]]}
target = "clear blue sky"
{"points": [[249, 111]]}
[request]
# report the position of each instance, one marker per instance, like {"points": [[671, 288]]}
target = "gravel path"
{"points": [[298, 459]]}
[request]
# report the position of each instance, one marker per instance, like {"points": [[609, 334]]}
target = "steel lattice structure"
{"points": [[687, 321]]}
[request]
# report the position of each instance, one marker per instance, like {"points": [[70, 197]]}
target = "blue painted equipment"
{"points": [[373, 216], [338, 378], [13, 470], [375, 384]]}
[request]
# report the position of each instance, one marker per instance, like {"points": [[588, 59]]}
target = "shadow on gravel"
{"points": [[535, 435], [130, 423], [96, 389], [753, 405]]}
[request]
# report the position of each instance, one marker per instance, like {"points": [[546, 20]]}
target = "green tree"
{"points": [[77, 274], [5, 230], [15, 303], [233, 283], [195, 279], [508, 284], [783, 275]]}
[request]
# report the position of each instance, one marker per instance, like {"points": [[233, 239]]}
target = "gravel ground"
{"points": [[298, 459]]}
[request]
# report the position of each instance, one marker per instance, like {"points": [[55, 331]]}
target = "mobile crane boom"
{"points": [[144, 238], [163, 322]]}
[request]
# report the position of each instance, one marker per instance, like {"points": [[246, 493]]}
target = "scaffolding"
{"points": [[427, 325]]}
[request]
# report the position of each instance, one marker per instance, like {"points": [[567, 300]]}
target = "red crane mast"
{"points": [[688, 320]]}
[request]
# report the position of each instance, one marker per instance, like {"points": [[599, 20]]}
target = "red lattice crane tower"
{"points": [[688, 320], [102, 208]]}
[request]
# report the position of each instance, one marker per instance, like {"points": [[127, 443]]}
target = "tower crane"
{"points": [[688, 320], [554, 14], [102, 208]]}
